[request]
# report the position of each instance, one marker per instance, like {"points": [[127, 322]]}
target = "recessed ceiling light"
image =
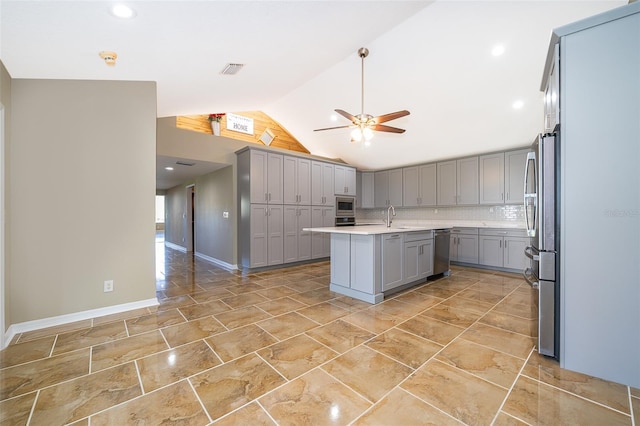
{"points": [[334, 117], [122, 11], [168, 168], [517, 104], [497, 50]]}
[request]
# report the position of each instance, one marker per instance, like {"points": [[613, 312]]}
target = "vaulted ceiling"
{"points": [[433, 58]]}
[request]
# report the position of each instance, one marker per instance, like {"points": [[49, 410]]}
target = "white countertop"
{"points": [[414, 226]]}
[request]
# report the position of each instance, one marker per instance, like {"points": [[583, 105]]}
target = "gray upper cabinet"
{"points": [[366, 190], [344, 180], [457, 182], [266, 177], [446, 183], [297, 180], [388, 188], [419, 186], [551, 110], [514, 162], [492, 178], [467, 180], [322, 186]]}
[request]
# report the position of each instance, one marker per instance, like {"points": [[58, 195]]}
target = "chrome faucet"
{"points": [[391, 211]]}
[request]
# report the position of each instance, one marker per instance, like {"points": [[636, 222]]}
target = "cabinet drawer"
{"points": [[466, 231], [503, 232], [417, 236]]}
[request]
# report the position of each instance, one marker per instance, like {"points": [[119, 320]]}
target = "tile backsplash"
{"points": [[487, 213]]}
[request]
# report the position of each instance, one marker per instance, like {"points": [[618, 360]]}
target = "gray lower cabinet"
{"points": [[464, 245], [266, 235], [503, 248], [297, 243], [341, 260], [392, 261], [418, 256], [321, 242]]}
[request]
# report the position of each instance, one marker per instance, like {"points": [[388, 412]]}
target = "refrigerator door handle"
{"points": [[530, 198], [529, 273], [529, 253]]}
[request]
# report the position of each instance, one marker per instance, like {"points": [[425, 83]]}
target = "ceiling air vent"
{"points": [[184, 163], [231, 69]]}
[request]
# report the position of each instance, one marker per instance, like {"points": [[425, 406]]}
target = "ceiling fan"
{"points": [[366, 123]]}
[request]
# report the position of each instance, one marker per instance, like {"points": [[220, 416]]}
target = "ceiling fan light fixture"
{"points": [[356, 135], [367, 133]]}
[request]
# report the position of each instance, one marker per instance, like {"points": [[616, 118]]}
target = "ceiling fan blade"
{"points": [[348, 116], [383, 128], [391, 116], [331, 128]]}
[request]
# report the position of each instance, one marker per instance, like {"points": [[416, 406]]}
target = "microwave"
{"points": [[345, 206]]}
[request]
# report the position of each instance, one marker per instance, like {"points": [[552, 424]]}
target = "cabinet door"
{"points": [[317, 238], [491, 250], [275, 178], [453, 248], [381, 187], [290, 181], [259, 236], [317, 195], [350, 181], [327, 184], [340, 185], [467, 181], [446, 183], [328, 219], [411, 261], [275, 232], [303, 180], [514, 257], [427, 185], [492, 178], [363, 263], [392, 261], [345, 180], [304, 237], [395, 187], [258, 177], [368, 190], [410, 196], [514, 162], [341, 259], [425, 259], [467, 248], [290, 227]]}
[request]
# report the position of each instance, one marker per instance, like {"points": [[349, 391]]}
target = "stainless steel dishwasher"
{"points": [[441, 257]]}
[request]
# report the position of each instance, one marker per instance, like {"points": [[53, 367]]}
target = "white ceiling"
{"points": [[432, 58]]}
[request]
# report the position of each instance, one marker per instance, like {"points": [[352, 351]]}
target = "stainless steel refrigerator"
{"points": [[541, 214]]}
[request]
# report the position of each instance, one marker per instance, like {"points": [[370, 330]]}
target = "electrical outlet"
{"points": [[108, 286], [225, 215], [435, 211]]}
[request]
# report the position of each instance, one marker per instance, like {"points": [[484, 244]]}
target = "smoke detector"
{"points": [[109, 57]]}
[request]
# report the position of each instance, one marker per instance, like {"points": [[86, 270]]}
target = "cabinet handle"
{"points": [[265, 212], [502, 196]]}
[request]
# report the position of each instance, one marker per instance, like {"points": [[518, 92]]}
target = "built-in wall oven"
{"points": [[345, 211]]}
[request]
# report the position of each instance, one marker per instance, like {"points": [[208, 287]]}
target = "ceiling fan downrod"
{"points": [[363, 52]]}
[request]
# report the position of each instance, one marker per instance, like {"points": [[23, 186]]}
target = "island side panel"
{"points": [[340, 260]]}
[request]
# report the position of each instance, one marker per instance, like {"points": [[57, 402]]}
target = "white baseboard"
{"points": [[217, 262], [26, 326], [175, 246]]}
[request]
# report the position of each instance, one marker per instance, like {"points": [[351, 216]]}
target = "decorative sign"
{"points": [[238, 123]]}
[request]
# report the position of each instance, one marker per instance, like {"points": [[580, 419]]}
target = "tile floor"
{"points": [[277, 347]]}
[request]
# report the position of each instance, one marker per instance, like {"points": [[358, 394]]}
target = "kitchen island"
{"points": [[370, 261]]}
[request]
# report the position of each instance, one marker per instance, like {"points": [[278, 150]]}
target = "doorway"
{"points": [[190, 218]]}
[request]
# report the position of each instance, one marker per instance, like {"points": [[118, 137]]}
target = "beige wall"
{"points": [[5, 100], [214, 233], [80, 196]]}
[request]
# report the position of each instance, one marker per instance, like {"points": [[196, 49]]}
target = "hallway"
{"points": [[277, 347]]}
